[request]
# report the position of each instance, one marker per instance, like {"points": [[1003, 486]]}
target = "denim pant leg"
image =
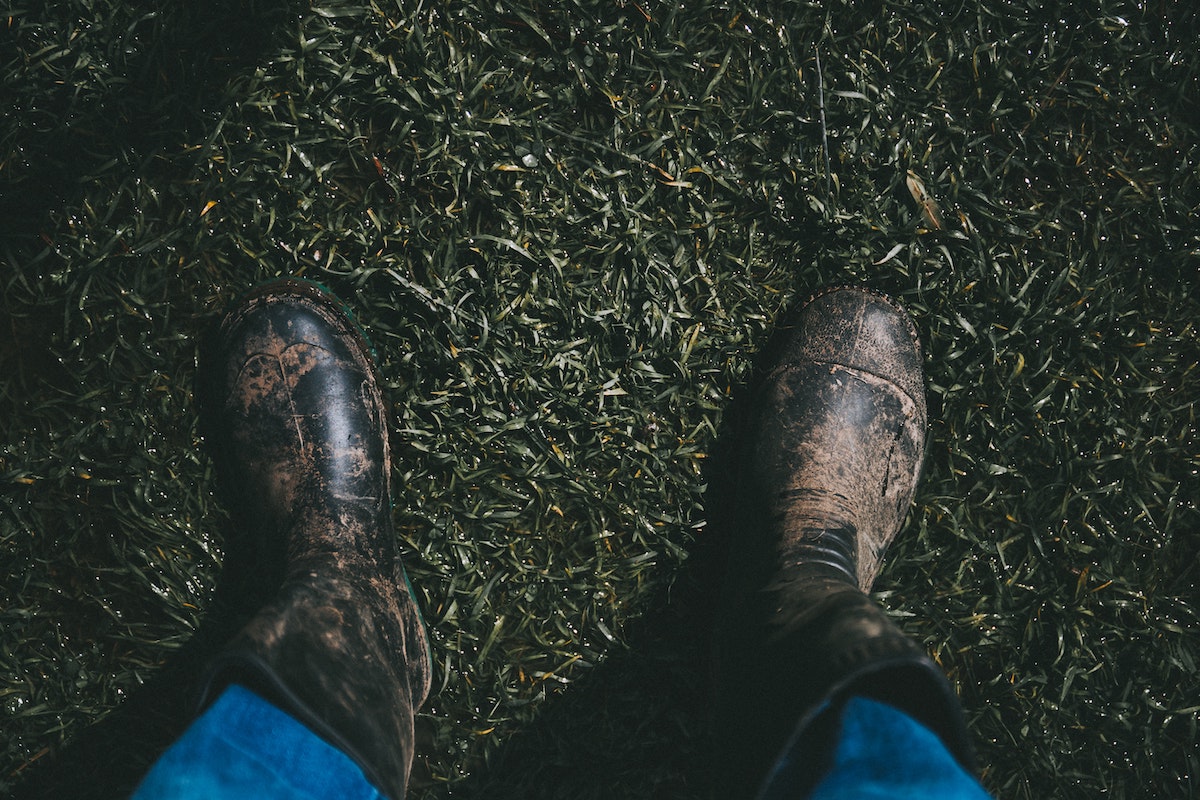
{"points": [[881, 753], [243, 746]]}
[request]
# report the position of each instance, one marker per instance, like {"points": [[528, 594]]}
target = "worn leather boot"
{"points": [[831, 458], [293, 413]]}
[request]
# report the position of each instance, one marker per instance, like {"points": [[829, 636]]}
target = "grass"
{"points": [[568, 230]]}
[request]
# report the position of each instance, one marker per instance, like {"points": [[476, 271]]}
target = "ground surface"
{"points": [[569, 228]]}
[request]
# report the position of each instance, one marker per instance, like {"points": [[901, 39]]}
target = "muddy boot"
{"points": [[294, 416], [831, 460]]}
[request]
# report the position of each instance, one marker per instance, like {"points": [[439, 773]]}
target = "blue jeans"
{"points": [[243, 746], [881, 753]]}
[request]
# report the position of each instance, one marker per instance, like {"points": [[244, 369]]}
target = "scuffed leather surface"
{"points": [[298, 428], [840, 431]]}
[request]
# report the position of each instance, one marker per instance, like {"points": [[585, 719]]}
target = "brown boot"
{"points": [[297, 424], [827, 476]]}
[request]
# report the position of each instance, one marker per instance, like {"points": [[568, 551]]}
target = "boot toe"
{"points": [[862, 330], [293, 408]]}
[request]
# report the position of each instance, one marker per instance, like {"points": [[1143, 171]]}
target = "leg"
{"points": [[293, 412], [829, 468]]}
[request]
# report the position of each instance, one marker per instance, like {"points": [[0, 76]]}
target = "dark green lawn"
{"points": [[568, 229]]}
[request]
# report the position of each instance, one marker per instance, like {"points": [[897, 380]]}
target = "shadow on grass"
{"points": [[639, 724], [642, 723], [90, 101], [108, 759]]}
